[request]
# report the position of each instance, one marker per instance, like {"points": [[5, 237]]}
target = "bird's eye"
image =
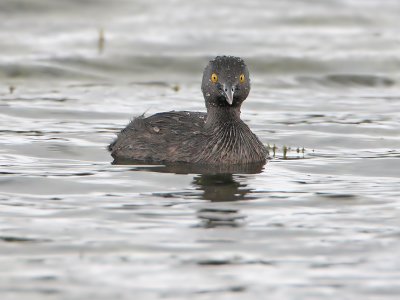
{"points": [[241, 78], [214, 77]]}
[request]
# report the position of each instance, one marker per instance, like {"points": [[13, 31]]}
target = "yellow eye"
{"points": [[241, 78], [214, 77]]}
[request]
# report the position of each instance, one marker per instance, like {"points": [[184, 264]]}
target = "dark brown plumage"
{"points": [[216, 137]]}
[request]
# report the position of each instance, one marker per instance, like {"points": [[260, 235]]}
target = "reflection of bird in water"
{"points": [[220, 188], [215, 187]]}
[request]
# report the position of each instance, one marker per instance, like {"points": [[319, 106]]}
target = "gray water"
{"points": [[323, 223]]}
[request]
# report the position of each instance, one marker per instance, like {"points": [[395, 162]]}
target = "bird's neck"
{"points": [[222, 116]]}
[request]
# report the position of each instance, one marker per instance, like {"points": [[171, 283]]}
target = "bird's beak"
{"points": [[228, 90]]}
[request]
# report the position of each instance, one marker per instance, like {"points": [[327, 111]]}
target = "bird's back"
{"points": [[161, 137]]}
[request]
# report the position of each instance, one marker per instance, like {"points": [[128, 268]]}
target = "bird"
{"points": [[215, 137]]}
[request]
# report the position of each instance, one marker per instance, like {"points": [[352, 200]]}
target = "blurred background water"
{"points": [[323, 224]]}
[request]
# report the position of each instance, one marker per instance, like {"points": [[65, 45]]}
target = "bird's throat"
{"points": [[220, 116]]}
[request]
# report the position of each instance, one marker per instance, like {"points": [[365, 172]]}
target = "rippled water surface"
{"points": [[318, 223]]}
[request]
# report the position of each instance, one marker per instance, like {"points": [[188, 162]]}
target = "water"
{"points": [[323, 224]]}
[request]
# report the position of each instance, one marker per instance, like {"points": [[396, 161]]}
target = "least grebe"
{"points": [[216, 137]]}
